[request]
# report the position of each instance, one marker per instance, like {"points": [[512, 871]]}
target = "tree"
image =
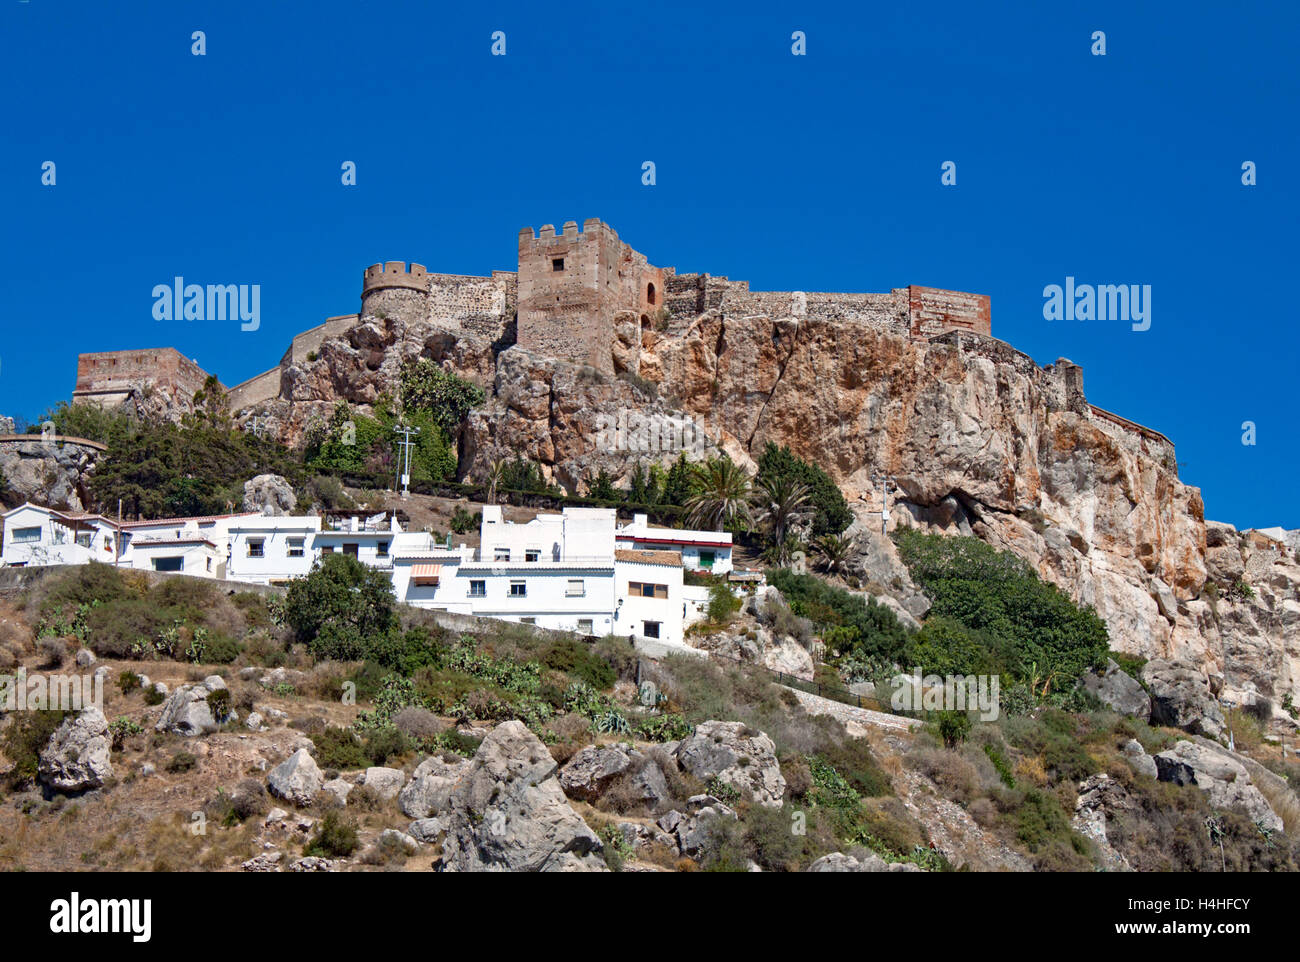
{"points": [[342, 608], [602, 488], [677, 483], [782, 502], [720, 494], [430, 388], [212, 404], [494, 478], [831, 513]]}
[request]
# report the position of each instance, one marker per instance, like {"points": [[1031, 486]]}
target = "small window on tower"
{"points": [[557, 263]]}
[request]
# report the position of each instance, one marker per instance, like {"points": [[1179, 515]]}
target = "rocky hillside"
{"points": [[226, 742], [979, 438]]}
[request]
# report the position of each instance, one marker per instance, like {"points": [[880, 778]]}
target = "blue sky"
{"points": [[819, 172]]}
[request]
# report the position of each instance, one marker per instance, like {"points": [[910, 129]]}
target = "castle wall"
{"points": [[107, 378], [932, 311]]}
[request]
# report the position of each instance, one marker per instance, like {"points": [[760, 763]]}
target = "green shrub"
{"points": [[339, 748], [878, 631], [954, 727], [1029, 627], [336, 837], [220, 703], [576, 659], [22, 740], [182, 761], [462, 521], [723, 604]]}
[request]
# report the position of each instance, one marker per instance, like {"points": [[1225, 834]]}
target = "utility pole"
{"points": [[886, 482], [406, 431]]}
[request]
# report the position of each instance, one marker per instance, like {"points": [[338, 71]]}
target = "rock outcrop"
{"points": [[76, 758], [1222, 777], [189, 710], [1118, 690], [297, 779], [980, 439], [1181, 697], [736, 756], [508, 814], [54, 473], [270, 494]]}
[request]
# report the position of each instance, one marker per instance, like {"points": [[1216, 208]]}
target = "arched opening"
{"points": [[650, 294]]}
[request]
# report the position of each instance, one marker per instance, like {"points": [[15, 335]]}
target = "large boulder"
{"points": [[1181, 698], [588, 773], [429, 789], [77, 756], [297, 779], [736, 755], [509, 814], [693, 830], [383, 783], [869, 862], [270, 494], [189, 712], [1215, 771], [1118, 690]]}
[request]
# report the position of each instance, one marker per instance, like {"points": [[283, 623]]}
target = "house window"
{"points": [[528, 621], [209, 564], [169, 564], [651, 629], [352, 549], [22, 535], [327, 549], [500, 554], [83, 539], [533, 554], [382, 549], [255, 547], [478, 589], [650, 294], [577, 588], [557, 264], [518, 589], [706, 559], [584, 626], [295, 547], [639, 589]]}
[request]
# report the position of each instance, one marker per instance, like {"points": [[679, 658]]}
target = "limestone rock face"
{"points": [[870, 862], [1222, 777], [737, 756], [77, 755], [429, 789], [508, 813], [979, 438], [269, 494], [1119, 691], [56, 474]]}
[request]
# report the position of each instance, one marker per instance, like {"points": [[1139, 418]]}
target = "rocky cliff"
{"points": [[978, 437]]}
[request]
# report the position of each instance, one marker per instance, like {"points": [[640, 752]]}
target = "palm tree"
{"points": [[783, 504], [496, 473], [720, 493], [835, 549]]}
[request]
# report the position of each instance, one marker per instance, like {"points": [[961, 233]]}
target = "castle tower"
{"points": [[572, 283]]}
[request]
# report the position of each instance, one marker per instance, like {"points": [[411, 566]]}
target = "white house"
{"points": [[266, 549], [648, 585], [42, 536], [700, 550]]}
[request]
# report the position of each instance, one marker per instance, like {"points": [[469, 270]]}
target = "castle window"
{"points": [[650, 295], [557, 263]]}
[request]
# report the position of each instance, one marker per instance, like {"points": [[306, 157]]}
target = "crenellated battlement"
{"points": [[394, 274]]}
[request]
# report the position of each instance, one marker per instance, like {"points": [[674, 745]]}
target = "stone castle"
{"points": [[572, 292]]}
